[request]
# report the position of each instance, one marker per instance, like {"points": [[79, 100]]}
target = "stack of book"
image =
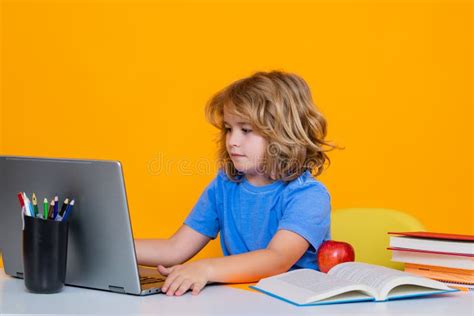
{"points": [[448, 258]]}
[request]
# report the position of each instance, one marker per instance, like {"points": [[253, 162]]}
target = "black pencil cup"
{"points": [[44, 254]]}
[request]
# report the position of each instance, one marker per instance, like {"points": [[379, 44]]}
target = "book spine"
{"points": [[418, 251], [432, 245], [460, 286], [445, 276], [430, 259], [440, 269]]}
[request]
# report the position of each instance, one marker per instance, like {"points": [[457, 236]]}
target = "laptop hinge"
{"points": [[117, 289]]}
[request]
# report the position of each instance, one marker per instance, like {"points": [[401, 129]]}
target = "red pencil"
{"points": [[20, 198]]}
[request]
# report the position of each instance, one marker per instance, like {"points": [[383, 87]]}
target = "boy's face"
{"points": [[246, 148]]}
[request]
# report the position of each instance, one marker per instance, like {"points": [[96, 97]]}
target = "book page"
{"points": [[408, 290], [305, 286], [382, 279], [312, 281]]}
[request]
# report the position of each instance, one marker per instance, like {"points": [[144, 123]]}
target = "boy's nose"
{"points": [[234, 140]]}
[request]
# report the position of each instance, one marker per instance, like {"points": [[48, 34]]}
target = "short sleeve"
{"points": [[308, 213], [203, 217]]}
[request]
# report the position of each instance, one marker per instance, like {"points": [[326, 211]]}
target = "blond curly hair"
{"points": [[278, 105]]}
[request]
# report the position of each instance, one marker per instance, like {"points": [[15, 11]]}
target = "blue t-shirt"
{"points": [[248, 216]]}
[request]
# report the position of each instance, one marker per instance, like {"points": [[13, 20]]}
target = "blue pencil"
{"points": [[56, 207], [28, 206], [67, 212]]}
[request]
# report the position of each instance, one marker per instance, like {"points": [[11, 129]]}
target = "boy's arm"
{"points": [[284, 250], [180, 247]]}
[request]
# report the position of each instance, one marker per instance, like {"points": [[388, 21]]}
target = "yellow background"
{"points": [[128, 81]]}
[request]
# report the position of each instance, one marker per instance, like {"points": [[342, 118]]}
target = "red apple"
{"points": [[332, 252]]}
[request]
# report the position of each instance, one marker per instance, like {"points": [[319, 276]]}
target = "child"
{"points": [[271, 213]]}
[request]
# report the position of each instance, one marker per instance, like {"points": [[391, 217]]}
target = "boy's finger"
{"points": [[166, 271], [174, 286], [169, 280], [197, 287], [163, 270], [184, 287]]}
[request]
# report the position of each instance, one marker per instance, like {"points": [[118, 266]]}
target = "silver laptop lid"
{"points": [[101, 252]]}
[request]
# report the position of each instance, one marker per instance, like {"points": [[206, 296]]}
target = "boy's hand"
{"points": [[180, 278]]}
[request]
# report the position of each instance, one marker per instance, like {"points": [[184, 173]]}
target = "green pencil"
{"points": [[45, 208]]}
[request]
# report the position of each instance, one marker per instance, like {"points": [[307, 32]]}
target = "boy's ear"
{"points": [[273, 176]]}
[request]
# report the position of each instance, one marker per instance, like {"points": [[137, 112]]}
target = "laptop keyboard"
{"points": [[148, 280]]}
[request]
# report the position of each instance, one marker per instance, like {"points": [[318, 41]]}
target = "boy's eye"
{"points": [[244, 130]]}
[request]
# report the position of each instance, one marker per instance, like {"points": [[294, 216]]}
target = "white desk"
{"points": [[214, 300]]}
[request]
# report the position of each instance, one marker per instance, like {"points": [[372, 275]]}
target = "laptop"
{"points": [[101, 251]]}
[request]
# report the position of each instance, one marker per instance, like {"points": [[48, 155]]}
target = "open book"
{"points": [[348, 282]]}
